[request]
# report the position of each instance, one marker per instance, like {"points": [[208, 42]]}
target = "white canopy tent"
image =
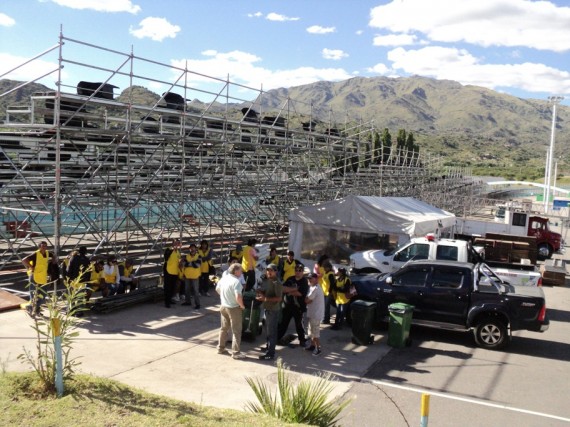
{"points": [[404, 217]]}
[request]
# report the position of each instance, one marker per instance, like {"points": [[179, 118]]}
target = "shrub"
{"points": [[306, 403]]}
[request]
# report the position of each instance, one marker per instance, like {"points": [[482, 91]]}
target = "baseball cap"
{"points": [[312, 276], [272, 267]]}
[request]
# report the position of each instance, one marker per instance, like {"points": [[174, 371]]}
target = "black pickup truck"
{"points": [[458, 296]]}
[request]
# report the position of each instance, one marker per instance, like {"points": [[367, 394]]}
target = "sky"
{"points": [[518, 47]]}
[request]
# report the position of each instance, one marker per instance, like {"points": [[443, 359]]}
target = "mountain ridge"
{"points": [[469, 124]]}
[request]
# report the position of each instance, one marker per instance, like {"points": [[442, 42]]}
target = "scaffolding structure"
{"points": [[80, 166]]}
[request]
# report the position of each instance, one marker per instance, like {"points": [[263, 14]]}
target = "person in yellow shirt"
{"points": [[248, 264], [341, 297], [191, 265], [96, 280], [273, 258], [205, 254], [37, 265], [288, 266], [170, 270], [112, 276], [328, 282], [237, 253], [127, 277]]}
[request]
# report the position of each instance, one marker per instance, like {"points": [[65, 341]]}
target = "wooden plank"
{"points": [[9, 301]]}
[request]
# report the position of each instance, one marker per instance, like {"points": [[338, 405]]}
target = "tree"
{"points": [[367, 152], [376, 147], [386, 145], [401, 140], [410, 142]]}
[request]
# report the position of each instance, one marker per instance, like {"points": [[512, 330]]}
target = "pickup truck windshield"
{"points": [[414, 251]]}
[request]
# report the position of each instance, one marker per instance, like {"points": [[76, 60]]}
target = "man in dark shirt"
{"points": [[295, 290], [271, 294], [78, 265]]}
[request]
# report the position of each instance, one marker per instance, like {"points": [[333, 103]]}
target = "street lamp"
{"points": [[554, 100]]}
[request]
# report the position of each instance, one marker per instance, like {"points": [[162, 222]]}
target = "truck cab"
{"points": [[419, 248], [547, 241]]}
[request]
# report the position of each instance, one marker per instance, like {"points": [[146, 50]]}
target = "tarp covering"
{"points": [[368, 214]]}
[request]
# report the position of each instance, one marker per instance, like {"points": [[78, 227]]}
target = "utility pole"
{"points": [[554, 100]]}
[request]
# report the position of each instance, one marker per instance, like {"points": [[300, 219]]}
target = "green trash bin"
{"points": [[251, 316], [400, 324], [362, 314]]}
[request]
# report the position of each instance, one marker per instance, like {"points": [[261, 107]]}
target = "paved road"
{"points": [[525, 385]]}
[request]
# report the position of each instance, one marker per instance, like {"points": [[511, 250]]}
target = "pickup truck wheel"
{"points": [[491, 334], [544, 251]]}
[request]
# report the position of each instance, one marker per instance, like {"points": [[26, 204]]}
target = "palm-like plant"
{"points": [[306, 403]]}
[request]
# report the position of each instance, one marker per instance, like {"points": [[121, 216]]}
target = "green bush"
{"points": [[306, 403]]}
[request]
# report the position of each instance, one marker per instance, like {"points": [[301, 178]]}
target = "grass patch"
{"points": [[91, 401]]}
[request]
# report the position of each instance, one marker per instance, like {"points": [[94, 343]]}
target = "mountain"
{"points": [[467, 124]]}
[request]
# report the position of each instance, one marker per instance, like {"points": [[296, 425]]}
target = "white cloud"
{"points": [[359, 32], [101, 5], [380, 68], [460, 65], [243, 68], [30, 71], [156, 29], [334, 54], [317, 29], [255, 15], [277, 17], [534, 24], [156, 86], [6, 21], [394, 40]]}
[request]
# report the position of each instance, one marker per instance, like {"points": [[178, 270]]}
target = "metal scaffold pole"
{"points": [[122, 173]]}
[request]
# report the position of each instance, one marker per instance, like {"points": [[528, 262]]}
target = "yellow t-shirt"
{"points": [[342, 297], [172, 264], [191, 272]]}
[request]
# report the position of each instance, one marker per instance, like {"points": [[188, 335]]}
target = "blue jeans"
{"points": [[271, 327], [37, 294], [340, 314], [191, 288]]}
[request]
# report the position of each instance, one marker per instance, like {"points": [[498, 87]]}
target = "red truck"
{"points": [[519, 223]]}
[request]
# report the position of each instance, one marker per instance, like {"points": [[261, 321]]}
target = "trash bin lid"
{"points": [[361, 304], [400, 308], [249, 294]]}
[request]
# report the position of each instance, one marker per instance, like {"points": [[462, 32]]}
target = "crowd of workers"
{"points": [[84, 273], [286, 291]]}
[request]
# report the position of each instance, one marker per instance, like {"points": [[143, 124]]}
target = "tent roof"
{"points": [[390, 215]]}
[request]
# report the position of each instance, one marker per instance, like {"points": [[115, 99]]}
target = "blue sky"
{"points": [[518, 47]]}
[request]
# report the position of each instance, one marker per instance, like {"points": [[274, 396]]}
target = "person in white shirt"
{"points": [[315, 311], [226, 270], [111, 275], [230, 290]]}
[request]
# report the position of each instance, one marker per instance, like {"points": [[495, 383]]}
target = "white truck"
{"points": [[388, 261]]}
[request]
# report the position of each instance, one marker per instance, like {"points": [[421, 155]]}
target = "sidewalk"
{"points": [[172, 352]]}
